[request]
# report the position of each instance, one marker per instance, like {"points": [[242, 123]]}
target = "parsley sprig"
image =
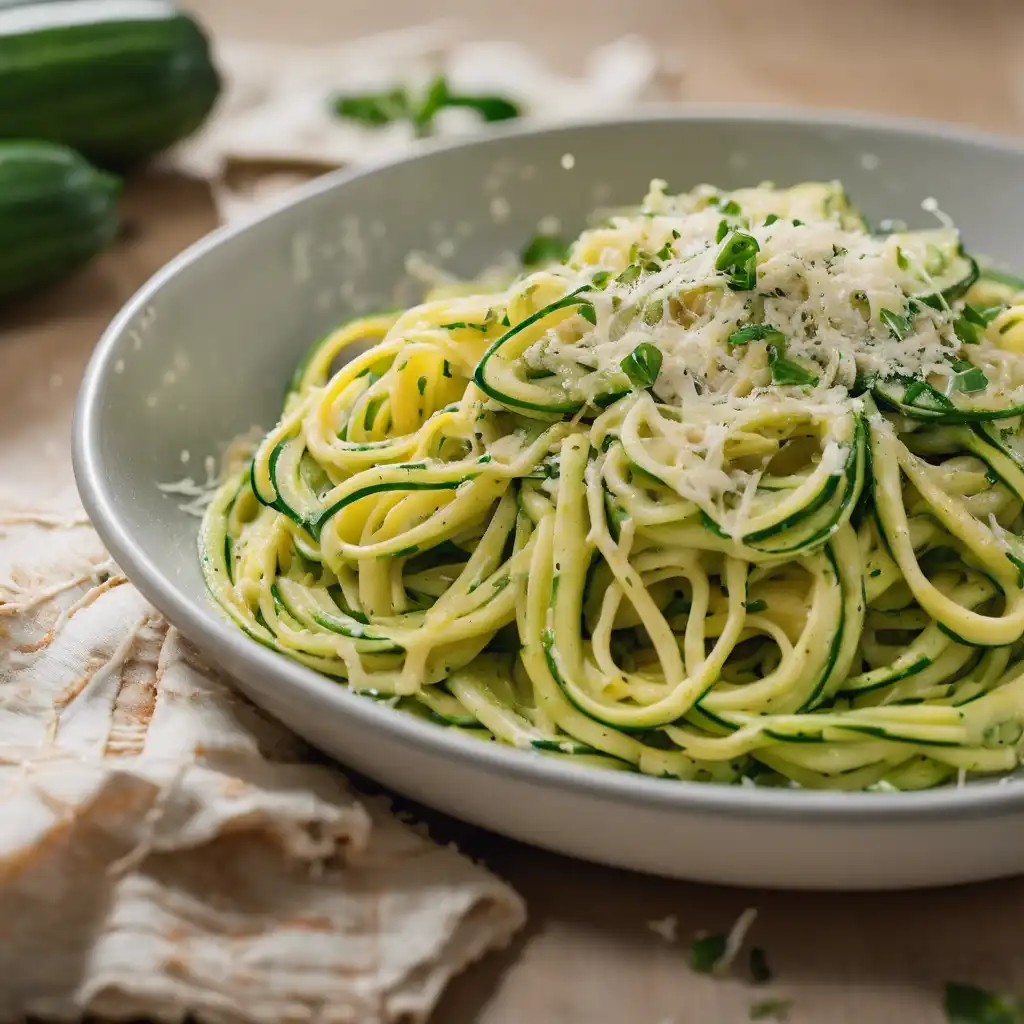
{"points": [[966, 1004], [376, 109], [737, 260]]}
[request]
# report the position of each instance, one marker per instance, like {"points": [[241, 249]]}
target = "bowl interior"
{"points": [[204, 351]]}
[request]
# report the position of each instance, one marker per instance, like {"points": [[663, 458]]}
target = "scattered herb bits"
{"points": [[376, 109], [771, 1009], [737, 260], [966, 1004], [787, 373], [969, 378], [757, 332], [642, 365], [899, 326], [707, 952]]}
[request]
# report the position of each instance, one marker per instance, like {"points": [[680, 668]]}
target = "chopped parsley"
{"points": [[966, 1004], [737, 260], [771, 1009], [706, 952], [642, 365], [899, 326], [969, 378], [757, 332], [421, 385], [376, 109], [786, 372], [972, 322]]}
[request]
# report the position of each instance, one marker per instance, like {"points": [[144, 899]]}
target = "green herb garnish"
{"points": [[899, 326], [969, 325], [380, 108], [642, 365], [966, 1004], [490, 108], [731, 208], [757, 332], [706, 953], [587, 311], [969, 378], [771, 1009], [753, 607], [786, 372], [736, 258], [374, 109], [770, 219], [421, 385]]}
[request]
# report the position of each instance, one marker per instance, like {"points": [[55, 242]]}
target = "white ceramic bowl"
{"points": [[203, 352]]}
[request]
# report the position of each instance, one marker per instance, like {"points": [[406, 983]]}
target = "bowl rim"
{"points": [[211, 629]]}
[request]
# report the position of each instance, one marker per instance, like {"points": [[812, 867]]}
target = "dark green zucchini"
{"points": [[918, 400], [118, 80], [56, 212]]}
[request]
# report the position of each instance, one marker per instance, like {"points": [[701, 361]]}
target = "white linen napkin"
{"points": [[166, 850]]}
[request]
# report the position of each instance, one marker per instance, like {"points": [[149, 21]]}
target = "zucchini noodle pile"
{"points": [[732, 493]]}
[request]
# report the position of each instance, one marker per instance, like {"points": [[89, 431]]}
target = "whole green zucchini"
{"points": [[118, 80], [56, 212]]}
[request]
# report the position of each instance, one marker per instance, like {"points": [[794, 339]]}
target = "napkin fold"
{"points": [[167, 850]]}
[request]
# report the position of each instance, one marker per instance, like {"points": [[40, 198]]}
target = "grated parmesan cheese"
{"points": [[813, 289]]}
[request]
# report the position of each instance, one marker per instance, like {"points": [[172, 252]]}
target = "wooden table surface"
{"points": [[587, 954]]}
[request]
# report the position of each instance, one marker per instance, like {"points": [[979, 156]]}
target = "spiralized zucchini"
{"points": [[733, 494]]}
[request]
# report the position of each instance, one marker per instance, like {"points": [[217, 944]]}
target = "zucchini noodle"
{"points": [[733, 494]]}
